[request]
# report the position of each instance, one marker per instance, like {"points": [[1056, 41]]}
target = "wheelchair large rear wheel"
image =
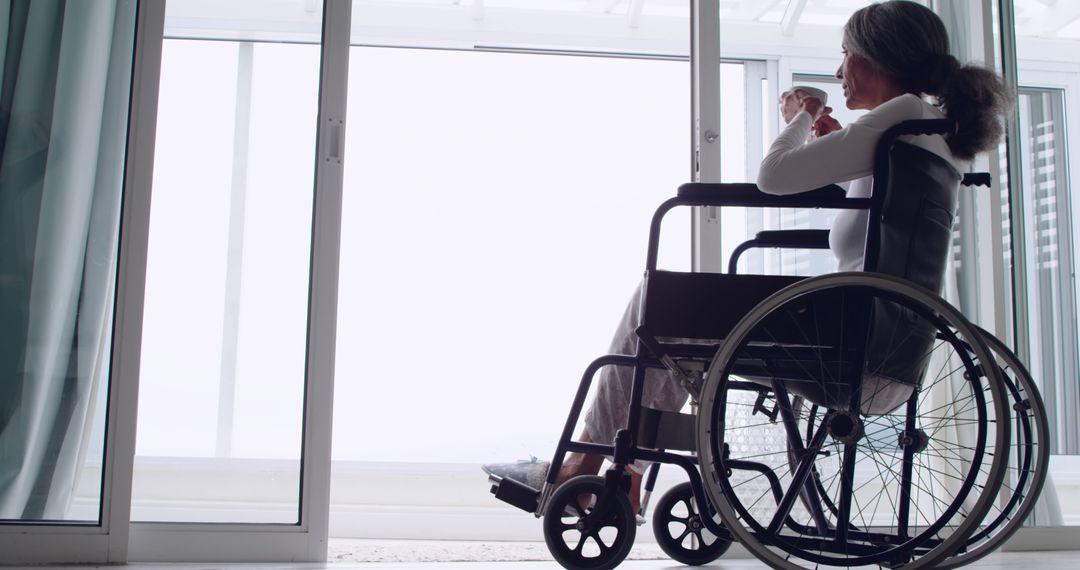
{"points": [[1029, 457], [900, 487]]}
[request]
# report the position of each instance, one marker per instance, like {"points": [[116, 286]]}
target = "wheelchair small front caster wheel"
{"points": [[680, 531], [586, 526]]}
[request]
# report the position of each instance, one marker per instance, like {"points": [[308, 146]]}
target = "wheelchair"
{"points": [[848, 419]]}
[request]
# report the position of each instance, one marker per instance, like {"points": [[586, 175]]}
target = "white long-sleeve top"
{"points": [[844, 157]]}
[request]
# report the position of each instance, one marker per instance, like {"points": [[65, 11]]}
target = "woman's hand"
{"points": [[825, 124]]}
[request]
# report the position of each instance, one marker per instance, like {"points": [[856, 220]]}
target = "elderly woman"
{"points": [[896, 65]]}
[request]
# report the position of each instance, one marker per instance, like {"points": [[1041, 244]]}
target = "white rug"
{"points": [[362, 550]]}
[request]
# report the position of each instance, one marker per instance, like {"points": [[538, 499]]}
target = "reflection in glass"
{"points": [[1048, 246], [63, 125]]}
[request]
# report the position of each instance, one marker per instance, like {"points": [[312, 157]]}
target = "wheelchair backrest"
{"points": [[915, 222], [918, 196]]}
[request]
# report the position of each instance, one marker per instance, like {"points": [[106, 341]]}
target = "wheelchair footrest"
{"points": [[516, 493]]}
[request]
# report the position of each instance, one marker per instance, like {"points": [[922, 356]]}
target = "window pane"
{"points": [[495, 218], [224, 342], [66, 79], [804, 41], [1051, 300], [797, 261]]}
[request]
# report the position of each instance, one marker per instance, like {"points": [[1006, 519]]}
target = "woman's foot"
{"points": [[583, 464], [532, 473]]}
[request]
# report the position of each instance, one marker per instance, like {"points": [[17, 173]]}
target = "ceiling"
{"points": [[638, 26]]}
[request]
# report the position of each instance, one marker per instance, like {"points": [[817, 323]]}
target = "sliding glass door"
{"points": [[211, 311], [67, 192], [222, 379], [214, 317], [232, 454], [496, 202]]}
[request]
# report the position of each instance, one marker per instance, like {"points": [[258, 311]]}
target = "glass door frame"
{"points": [[305, 541], [116, 539], [705, 127], [1052, 77], [107, 541]]}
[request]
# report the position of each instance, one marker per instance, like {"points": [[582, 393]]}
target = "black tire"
{"points": [[868, 467], [592, 537], [680, 532], [1029, 456]]}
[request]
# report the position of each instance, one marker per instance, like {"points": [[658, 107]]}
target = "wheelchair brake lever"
{"points": [[759, 406], [692, 381]]}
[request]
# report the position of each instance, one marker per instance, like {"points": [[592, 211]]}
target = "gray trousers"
{"points": [[610, 406]]}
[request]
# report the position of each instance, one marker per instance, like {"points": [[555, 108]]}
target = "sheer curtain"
{"points": [[64, 89]]}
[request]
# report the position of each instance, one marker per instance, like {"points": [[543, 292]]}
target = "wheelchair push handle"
{"points": [[976, 179], [945, 127]]}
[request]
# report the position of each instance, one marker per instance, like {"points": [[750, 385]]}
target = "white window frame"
{"points": [[705, 127], [1047, 71]]}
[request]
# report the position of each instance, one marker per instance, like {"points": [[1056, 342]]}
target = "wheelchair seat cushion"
{"points": [[809, 345]]}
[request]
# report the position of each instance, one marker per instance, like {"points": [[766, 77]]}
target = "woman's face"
{"points": [[860, 80]]}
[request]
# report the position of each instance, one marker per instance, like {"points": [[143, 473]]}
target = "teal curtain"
{"points": [[64, 93]]}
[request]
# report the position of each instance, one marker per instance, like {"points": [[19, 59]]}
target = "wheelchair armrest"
{"points": [[807, 239], [748, 195], [794, 239]]}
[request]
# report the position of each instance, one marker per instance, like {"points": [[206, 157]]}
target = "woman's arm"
{"points": [[793, 165]]}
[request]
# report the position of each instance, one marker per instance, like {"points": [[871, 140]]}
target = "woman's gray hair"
{"points": [[909, 44]]}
